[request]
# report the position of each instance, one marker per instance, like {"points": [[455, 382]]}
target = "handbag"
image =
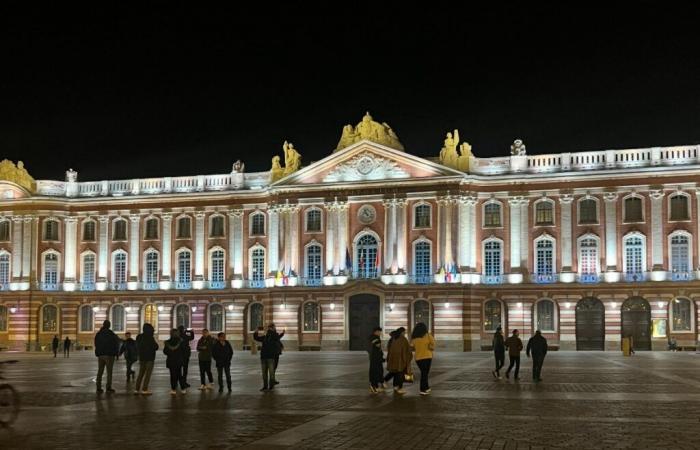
{"points": [[408, 375]]}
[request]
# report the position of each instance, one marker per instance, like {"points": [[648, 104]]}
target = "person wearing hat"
{"points": [[514, 346], [499, 352]]}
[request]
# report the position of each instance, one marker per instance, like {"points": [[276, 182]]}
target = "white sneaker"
{"points": [[429, 390], [202, 387], [183, 392], [146, 392], [173, 392], [399, 391], [384, 385], [136, 392], [424, 392], [209, 386]]}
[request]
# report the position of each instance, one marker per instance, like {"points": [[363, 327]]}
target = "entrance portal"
{"points": [[636, 322], [362, 319], [590, 324]]}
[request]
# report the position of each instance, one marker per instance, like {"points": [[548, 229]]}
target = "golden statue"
{"points": [[381, 133], [449, 156], [292, 162], [276, 172], [16, 174], [465, 155]]}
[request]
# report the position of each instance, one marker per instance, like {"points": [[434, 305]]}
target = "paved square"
{"points": [[587, 400]]}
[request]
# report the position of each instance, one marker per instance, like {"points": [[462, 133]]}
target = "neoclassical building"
{"points": [[587, 247]]}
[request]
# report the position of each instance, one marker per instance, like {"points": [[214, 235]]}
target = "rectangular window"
{"points": [[217, 227], [152, 229], [217, 266], [119, 230], [51, 230], [119, 268], [544, 213], [88, 269], [633, 210], [5, 230], [681, 315], [310, 317], [89, 231], [151, 268], [679, 208], [4, 270], [313, 221], [422, 216], [545, 316], [588, 212], [86, 319], [313, 262], [492, 215], [183, 228]]}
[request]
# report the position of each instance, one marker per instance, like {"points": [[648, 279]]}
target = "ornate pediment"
{"points": [[365, 166]]}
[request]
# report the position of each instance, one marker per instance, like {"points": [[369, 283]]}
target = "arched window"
{"points": [[184, 228], [633, 209], [184, 269], [87, 271], [255, 316], [151, 268], [118, 318], [421, 313], [313, 220], [3, 318], [4, 230], [50, 230], [216, 318], [119, 269], [493, 315], [492, 214], [313, 264], [545, 311], [87, 319], [257, 224], [423, 270], [544, 260], [635, 258], [217, 262], [50, 276], [310, 317], [493, 261], [681, 315], [4, 270], [89, 231], [119, 230], [679, 207], [151, 228], [49, 319], [421, 216], [681, 256], [588, 260], [182, 316], [587, 211], [150, 315], [216, 226], [544, 212], [367, 257], [257, 266]]}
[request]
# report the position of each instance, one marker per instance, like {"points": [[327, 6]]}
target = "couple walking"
{"points": [[536, 345]]}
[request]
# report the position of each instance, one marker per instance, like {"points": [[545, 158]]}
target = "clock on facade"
{"points": [[366, 214]]}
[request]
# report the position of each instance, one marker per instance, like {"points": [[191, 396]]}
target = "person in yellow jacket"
{"points": [[424, 344]]}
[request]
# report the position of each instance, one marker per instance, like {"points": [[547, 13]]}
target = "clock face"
{"points": [[366, 214]]}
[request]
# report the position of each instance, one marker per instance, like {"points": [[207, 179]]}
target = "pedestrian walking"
{"points": [[146, 346], [222, 352], [376, 361], [514, 346], [424, 345], [277, 358], [269, 349], [398, 359], [186, 336], [66, 347], [106, 349], [537, 345], [499, 352], [131, 355], [54, 345], [174, 360], [204, 348]]}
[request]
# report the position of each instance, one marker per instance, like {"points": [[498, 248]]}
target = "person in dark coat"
{"points": [[514, 346], [146, 346], [376, 359], [66, 347], [204, 348], [222, 352], [398, 359], [54, 345], [174, 360], [128, 349], [106, 349], [186, 336], [271, 347], [537, 345], [499, 352], [277, 358]]}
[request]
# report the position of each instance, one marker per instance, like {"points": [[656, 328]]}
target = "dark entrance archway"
{"points": [[590, 324], [636, 322], [363, 317]]}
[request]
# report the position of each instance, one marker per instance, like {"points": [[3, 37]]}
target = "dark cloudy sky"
{"points": [[126, 91]]}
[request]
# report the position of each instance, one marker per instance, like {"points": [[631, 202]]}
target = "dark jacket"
{"points": [[376, 355], [54, 343], [173, 351], [66, 344], [204, 348], [129, 350], [514, 346], [398, 355], [271, 345], [106, 343], [537, 345], [146, 344], [187, 336], [499, 345], [222, 353]]}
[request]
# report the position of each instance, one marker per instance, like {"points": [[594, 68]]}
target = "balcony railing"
{"points": [[217, 284], [256, 284], [365, 274], [545, 278], [87, 286], [681, 276], [183, 285], [5, 287], [118, 286], [422, 279], [150, 286], [312, 282], [588, 278], [48, 286], [492, 279], [634, 277]]}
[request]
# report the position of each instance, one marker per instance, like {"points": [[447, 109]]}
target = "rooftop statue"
{"points": [[16, 174], [238, 167], [381, 133], [450, 157], [292, 162], [518, 148]]}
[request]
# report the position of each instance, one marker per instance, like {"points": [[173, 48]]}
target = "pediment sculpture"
{"points": [[368, 129], [16, 174]]}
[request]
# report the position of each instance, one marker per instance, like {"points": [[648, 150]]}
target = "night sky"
{"points": [[126, 92]]}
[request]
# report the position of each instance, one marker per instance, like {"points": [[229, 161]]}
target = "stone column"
{"points": [[199, 249], [330, 238], [293, 238], [697, 211], [611, 232], [70, 250], [657, 235], [103, 249], [401, 235], [471, 204], [566, 275], [28, 246], [235, 243], [273, 260], [515, 235], [449, 256], [134, 250], [342, 244], [389, 233], [17, 248], [463, 232], [525, 241], [166, 251]]}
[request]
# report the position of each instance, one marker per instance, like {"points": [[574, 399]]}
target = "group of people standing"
{"points": [[55, 343], [536, 345], [398, 359]]}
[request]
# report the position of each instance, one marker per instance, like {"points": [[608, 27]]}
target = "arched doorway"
{"points": [[590, 324], [636, 322], [363, 317]]}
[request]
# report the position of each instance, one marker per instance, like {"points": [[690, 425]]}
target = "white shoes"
{"points": [[209, 386], [146, 392], [173, 392], [183, 392], [202, 387], [399, 391]]}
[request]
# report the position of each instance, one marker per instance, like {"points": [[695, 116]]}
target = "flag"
{"points": [[377, 262], [278, 275], [348, 260], [448, 274]]}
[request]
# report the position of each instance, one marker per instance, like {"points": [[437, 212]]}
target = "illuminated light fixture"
{"points": [[127, 308], [160, 308], [332, 306], [567, 304], [13, 309], [677, 301], [194, 309], [391, 306], [96, 309], [447, 304], [613, 304], [661, 304], [284, 304], [520, 304], [230, 307]]}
